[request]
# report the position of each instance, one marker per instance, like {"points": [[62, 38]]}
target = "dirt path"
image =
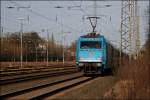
{"points": [[91, 90]]}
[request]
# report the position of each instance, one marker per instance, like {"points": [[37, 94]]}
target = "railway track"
{"points": [[30, 66], [10, 72], [49, 89], [31, 76]]}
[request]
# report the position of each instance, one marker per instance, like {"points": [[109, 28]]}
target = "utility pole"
{"points": [[138, 43], [52, 51], [26, 52], [21, 28], [63, 42], [63, 49], [36, 52], [47, 45], [1, 35], [128, 29], [21, 32], [125, 39]]}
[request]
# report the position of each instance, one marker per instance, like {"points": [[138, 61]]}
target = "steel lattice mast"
{"points": [[129, 28], [138, 43]]}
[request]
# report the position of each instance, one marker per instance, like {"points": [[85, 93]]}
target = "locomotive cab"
{"points": [[91, 54]]}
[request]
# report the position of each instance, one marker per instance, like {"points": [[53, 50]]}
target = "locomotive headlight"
{"points": [[99, 64], [81, 64]]}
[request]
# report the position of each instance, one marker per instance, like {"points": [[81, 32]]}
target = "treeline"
{"points": [[34, 48]]}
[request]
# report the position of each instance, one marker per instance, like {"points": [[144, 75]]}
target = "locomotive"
{"points": [[94, 54]]}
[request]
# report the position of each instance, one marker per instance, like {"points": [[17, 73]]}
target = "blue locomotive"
{"points": [[91, 54]]}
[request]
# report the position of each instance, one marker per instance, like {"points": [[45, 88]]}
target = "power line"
{"points": [[7, 28], [45, 17], [7, 19], [106, 28], [81, 9], [110, 21], [14, 21]]}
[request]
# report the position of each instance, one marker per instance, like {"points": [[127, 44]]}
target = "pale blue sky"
{"points": [[44, 15]]}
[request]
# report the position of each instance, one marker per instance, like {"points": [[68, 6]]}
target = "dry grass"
{"points": [[133, 78], [119, 90], [92, 90]]}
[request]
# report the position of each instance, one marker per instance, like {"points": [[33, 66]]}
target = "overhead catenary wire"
{"points": [[67, 14], [14, 21], [8, 19], [110, 21], [6, 28], [45, 17], [81, 9]]}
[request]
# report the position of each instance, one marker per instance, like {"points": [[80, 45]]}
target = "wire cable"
{"points": [[81, 9], [42, 16]]}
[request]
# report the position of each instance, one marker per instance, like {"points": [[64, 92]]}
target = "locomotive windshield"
{"points": [[90, 44]]}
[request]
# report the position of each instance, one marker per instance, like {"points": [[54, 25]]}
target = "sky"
{"points": [[68, 19]]}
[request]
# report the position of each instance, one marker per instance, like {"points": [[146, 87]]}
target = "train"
{"points": [[95, 55]]}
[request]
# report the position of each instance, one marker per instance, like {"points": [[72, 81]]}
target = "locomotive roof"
{"points": [[91, 35]]}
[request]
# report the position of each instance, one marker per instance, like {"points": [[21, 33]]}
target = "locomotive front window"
{"points": [[90, 44]]}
